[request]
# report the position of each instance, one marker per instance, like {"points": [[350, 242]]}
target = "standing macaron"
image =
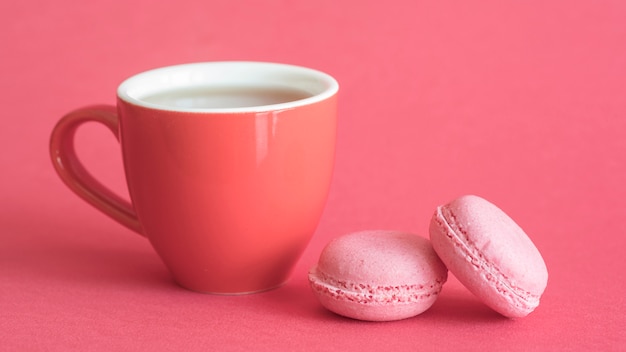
{"points": [[490, 254], [378, 275]]}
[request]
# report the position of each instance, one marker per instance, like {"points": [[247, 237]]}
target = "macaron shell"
{"points": [[373, 312], [378, 275], [490, 254], [381, 258]]}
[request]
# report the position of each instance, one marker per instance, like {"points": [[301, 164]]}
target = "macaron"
{"points": [[378, 275], [490, 254]]}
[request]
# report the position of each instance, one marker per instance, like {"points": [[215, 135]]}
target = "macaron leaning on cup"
{"points": [[378, 275], [489, 254]]}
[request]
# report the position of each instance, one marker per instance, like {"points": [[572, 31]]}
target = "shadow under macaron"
{"points": [[462, 307]]}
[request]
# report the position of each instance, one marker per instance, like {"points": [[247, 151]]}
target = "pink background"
{"points": [[523, 103]]}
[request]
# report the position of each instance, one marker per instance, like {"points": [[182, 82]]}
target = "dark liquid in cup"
{"points": [[224, 97]]}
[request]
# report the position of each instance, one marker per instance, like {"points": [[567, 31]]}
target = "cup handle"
{"points": [[74, 174]]}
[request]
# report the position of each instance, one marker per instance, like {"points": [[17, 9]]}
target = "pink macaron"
{"points": [[490, 254], [378, 275]]}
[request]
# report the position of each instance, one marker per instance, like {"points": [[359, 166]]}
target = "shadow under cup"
{"points": [[228, 166]]}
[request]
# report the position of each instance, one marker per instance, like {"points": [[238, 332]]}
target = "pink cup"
{"points": [[228, 166]]}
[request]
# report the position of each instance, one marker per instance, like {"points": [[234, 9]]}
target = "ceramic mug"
{"points": [[228, 166]]}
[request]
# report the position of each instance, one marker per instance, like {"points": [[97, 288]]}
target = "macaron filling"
{"points": [[368, 294], [490, 272]]}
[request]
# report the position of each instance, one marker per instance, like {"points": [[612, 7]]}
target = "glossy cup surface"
{"points": [[229, 197]]}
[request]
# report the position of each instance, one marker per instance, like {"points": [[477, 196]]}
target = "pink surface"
{"points": [[523, 103]]}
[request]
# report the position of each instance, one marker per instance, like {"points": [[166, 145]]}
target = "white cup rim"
{"points": [[320, 85]]}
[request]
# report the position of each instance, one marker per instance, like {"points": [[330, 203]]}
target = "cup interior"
{"points": [[236, 86]]}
